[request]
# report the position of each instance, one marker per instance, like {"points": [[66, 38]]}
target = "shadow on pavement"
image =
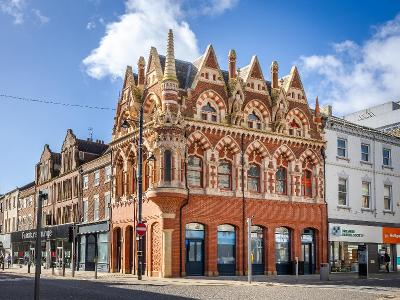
{"points": [[21, 288]]}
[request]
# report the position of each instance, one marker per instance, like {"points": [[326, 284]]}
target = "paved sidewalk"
{"points": [[380, 280]]}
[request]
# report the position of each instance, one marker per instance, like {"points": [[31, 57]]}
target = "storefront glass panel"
{"points": [[344, 256], [382, 249], [102, 244]]}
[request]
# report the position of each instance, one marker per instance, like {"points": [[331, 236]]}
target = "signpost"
{"points": [[141, 229], [362, 261]]}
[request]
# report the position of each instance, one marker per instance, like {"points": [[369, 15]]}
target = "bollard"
{"points": [[52, 269], [95, 267], [29, 267], [297, 267]]}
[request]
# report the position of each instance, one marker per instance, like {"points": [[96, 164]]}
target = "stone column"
{"points": [[166, 252]]}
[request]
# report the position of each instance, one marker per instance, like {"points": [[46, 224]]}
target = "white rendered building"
{"points": [[363, 194]]}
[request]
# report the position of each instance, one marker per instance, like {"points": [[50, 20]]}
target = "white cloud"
{"points": [[14, 8], [91, 25], [356, 76], [145, 24], [42, 18], [216, 7], [18, 9]]}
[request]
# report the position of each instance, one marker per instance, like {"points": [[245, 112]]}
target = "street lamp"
{"points": [[125, 125]]}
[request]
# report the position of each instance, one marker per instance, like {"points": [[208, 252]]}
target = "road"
{"points": [[18, 286]]}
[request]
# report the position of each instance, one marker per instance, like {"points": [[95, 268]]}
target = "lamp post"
{"points": [[38, 251], [126, 124]]}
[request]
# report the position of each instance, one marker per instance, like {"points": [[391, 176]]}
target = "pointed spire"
{"points": [[317, 111], [141, 66], [169, 70]]}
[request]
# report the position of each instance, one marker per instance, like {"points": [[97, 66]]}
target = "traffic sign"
{"points": [[141, 229]]}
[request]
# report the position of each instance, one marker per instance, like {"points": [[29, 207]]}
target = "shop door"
{"points": [[59, 255], [308, 258], [194, 257], [90, 252]]}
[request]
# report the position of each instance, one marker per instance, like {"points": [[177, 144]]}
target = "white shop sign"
{"points": [[354, 233]]}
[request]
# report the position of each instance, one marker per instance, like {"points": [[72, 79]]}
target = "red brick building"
{"points": [[229, 145]]}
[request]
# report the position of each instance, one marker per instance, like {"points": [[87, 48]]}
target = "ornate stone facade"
{"points": [[227, 146]]}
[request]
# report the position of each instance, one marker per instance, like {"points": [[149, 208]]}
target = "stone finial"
{"points": [[170, 70], [275, 74], [232, 63], [141, 65]]}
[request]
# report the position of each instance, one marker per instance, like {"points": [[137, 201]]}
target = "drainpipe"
{"points": [[180, 212], [243, 203], [323, 154]]}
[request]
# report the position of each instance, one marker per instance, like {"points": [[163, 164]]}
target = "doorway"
{"points": [[194, 242], [308, 250]]}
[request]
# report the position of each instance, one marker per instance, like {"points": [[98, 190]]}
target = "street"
{"points": [[14, 284]]}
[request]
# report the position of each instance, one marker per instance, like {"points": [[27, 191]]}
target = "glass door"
{"points": [[194, 257]]}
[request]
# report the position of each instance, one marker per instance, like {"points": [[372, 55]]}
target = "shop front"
{"points": [[93, 242], [54, 246], [391, 244], [344, 240]]}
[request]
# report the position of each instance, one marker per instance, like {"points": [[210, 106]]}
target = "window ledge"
{"points": [[387, 167], [363, 209], [346, 207], [388, 212], [363, 162], [342, 158]]}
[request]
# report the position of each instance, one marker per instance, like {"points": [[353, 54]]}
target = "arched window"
{"points": [[226, 250], [253, 178], [253, 121], [281, 181], [208, 113], [306, 184], [195, 171], [225, 175], [295, 129], [282, 250], [167, 165]]}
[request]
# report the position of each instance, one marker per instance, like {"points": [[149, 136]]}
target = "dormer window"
{"points": [[295, 129], [208, 113], [253, 121]]}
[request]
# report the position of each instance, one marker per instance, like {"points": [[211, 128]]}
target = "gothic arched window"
{"points": [[167, 165], [306, 183], [253, 178], [295, 129], [225, 175], [281, 181], [195, 171], [253, 121], [209, 113]]}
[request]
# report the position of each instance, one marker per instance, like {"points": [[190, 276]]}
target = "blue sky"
{"points": [[76, 51]]}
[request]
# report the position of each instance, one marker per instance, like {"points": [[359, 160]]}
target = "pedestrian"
{"points": [[8, 261], [386, 258]]}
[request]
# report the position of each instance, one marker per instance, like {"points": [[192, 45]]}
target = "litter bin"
{"points": [[324, 272]]}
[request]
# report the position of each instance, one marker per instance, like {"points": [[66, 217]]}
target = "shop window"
{"points": [[282, 250], [102, 248], [82, 249], [387, 197], [195, 171], [253, 178], [387, 157], [167, 166], [225, 175], [341, 147], [281, 181], [365, 152], [366, 194], [307, 183], [226, 249], [342, 192], [257, 244]]}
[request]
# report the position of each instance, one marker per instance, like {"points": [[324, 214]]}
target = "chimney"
{"points": [[274, 74], [141, 66], [232, 63]]}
